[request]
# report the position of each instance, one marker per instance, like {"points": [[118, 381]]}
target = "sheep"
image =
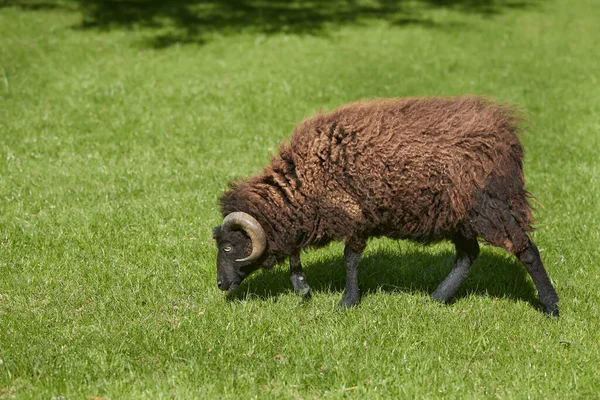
{"points": [[422, 169]]}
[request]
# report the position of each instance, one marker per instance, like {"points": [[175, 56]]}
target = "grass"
{"points": [[119, 130]]}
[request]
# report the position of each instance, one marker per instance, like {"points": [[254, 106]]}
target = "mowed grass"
{"points": [[118, 132]]}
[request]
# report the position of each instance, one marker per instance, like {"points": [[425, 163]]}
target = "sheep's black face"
{"points": [[232, 246]]}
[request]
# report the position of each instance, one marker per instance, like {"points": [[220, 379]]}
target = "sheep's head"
{"points": [[241, 242]]}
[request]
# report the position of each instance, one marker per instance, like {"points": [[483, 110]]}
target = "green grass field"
{"points": [[121, 123]]}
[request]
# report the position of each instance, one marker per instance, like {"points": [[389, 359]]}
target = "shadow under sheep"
{"points": [[493, 274], [190, 21]]}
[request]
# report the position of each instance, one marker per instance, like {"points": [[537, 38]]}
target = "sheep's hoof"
{"points": [[550, 304], [300, 286], [551, 311], [348, 301], [304, 292], [440, 298]]}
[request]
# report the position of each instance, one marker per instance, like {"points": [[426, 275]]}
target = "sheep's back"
{"points": [[403, 167]]}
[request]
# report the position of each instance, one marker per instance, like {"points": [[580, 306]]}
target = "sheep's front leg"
{"points": [[297, 276], [352, 255]]}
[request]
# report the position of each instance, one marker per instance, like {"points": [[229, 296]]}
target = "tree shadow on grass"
{"points": [[193, 21], [493, 274]]}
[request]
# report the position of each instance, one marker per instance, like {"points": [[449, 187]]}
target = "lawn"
{"points": [[122, 122]]}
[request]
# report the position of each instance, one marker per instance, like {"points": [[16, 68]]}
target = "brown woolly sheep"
{"points": [[423, 169]]}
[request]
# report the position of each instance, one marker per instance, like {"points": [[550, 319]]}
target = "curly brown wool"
{"points": [[424, 169]]}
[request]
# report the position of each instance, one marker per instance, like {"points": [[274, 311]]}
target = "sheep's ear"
{"points": [[217, 232]]}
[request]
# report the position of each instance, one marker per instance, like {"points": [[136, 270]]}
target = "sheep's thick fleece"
{"points": [[423, 169]]}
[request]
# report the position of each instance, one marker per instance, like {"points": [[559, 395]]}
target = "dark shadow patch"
{"points": [[478, 6], [35, 5], [493, 274], [194, 21]]}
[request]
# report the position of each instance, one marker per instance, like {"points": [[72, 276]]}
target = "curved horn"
{"points": [[252, 227]]}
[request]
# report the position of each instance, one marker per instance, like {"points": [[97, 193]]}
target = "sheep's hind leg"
{"points": [[467, 251], [530, 257], [297, 276], [352, 257]]}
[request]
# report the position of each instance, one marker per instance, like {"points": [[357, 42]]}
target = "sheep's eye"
{"points": [[227, 249]]}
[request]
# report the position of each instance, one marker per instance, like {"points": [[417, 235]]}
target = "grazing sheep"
{"points": [[423, 169]]}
